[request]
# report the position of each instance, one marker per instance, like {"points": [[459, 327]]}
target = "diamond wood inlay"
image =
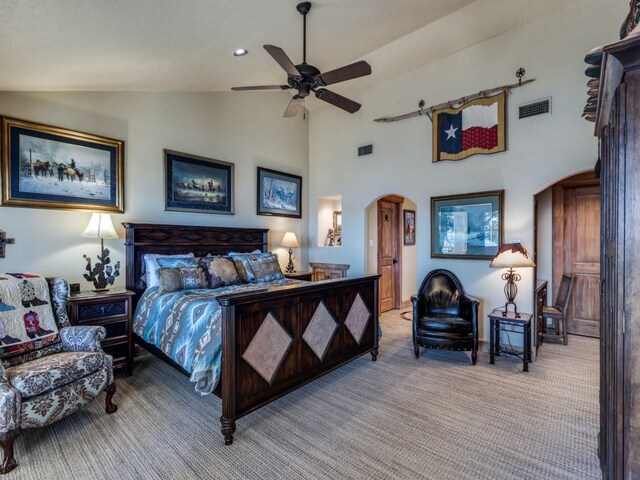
{"points": [[320, 331], [268, 348], [357, 318]]}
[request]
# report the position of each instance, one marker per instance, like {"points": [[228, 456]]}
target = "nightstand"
{"points": [[299, 276], [510, 323], [112, 310]]}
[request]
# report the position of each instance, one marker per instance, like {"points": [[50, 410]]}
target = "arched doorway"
{"points": [[388, 254], [567, 241]]}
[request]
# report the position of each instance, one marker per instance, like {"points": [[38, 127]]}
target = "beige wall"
{"points": [[246, 129], [540, 149]]}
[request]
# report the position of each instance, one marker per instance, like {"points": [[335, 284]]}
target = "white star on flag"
{"points": [[451, 133]]}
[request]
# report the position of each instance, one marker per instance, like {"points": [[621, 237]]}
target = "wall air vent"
{"points": [[534, 108], [365, 150]]}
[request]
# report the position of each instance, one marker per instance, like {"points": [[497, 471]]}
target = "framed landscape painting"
{"points": [[467, 226], [198, 184], [50, 167], [279, 194]]}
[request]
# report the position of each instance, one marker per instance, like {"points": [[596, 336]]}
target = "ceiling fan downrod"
{"points": [[304, 8]]}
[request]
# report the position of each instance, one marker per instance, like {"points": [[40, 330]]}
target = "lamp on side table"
{"points": [[511, 255], [290, 241]]}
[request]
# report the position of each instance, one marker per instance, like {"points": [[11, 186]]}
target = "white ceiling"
{"points": [[187, 45]]}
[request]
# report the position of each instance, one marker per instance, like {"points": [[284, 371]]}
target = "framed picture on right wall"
{"points": [[468, 226]]}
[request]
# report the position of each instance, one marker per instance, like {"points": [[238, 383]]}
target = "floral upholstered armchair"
{"points": [[49, 369]]}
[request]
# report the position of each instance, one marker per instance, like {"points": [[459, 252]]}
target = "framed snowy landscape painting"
{"points": [[279, 194], [50, 167], [198, 184]]}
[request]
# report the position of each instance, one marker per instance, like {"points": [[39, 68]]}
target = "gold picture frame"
{"points": [[337, 222], [50, 167]]}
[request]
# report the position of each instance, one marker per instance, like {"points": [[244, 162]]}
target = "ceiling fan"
{"points": [[306, 78]]}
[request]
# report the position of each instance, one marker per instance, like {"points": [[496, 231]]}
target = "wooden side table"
{"points": [[510, 323], [299, 276], [112, 310]]}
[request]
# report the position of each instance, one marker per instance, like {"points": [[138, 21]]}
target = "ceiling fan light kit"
{"points": [[307, 79]]}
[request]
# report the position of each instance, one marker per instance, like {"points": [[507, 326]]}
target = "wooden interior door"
{"points": [[389, 252], [582, 258]]}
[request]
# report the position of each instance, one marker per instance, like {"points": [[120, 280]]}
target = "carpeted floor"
{"points": [[434, 418]]}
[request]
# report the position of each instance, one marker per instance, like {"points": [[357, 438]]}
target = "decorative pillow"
{"points": [[177, 262], [27, 322], [151, 266], [221, 271], [266, 267], [241, 262], [263, 262], [174, 279], [255, 252]]}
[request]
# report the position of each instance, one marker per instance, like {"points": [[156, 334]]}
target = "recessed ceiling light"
{"points": [[241, 52]]}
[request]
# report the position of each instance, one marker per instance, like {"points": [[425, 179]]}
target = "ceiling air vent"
{"points": [[365, 150], [534, 108]]}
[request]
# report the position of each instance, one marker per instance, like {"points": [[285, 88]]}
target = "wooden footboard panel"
{"points": [[277, 340]]}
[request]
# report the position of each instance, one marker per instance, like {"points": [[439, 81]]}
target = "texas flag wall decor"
{"points": [[476, 127]]}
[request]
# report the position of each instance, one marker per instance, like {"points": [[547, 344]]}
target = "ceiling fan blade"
{"points": [[295, 105], [338, 100], [261, 87], [283, 60], [342, 74]]}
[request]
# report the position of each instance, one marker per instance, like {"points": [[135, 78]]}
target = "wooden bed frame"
{"points": [[241, 388]]}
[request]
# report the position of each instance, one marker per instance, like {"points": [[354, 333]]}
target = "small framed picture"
{"points": [[279, 194], [409, 227], [337, 222], [198, 184], [467, 226], [51, 167]]}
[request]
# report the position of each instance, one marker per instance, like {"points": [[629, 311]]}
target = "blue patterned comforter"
{"points": [[187, 326]]}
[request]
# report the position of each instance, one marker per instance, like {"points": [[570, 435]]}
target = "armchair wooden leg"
{"points": [[6, 440], [416, 351], [109, 406], [474, 357], [564, 331]]}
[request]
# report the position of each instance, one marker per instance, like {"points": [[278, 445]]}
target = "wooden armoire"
{"points": [[616, 113]]}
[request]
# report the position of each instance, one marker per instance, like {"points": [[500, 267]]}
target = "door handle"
{"points": [[395, 260]]}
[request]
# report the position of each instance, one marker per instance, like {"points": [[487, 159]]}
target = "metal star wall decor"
{"points": [[4, 241]]}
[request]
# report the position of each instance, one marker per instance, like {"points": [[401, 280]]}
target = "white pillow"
{"points": [[151, 266]]}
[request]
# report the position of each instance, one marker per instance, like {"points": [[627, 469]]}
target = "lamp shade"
{"points": [[289, 240], [512, 255], [100, 226]]}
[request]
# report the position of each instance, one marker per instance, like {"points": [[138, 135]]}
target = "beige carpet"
{"points": [[435, 418]]}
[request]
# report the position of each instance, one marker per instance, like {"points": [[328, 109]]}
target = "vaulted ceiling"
{"points": [[187, 45]]}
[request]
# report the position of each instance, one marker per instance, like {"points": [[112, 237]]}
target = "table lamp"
{"points": [[101, 273], [289, 240], [511, 255]]}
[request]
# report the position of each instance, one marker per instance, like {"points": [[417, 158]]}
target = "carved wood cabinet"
{"points": [[541, 301], [618, 128], [326, 271]]}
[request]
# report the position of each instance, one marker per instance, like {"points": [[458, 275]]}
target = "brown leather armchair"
{"points": [[444, 316]]}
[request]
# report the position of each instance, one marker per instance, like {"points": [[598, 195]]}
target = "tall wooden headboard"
{"points": [[143, 238]]}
